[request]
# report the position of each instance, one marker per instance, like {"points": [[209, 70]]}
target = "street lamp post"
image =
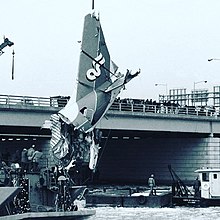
{"points": [[194, 89], [213, 59]]}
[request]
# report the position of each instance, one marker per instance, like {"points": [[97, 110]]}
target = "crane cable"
{"points": [[12, 72]]}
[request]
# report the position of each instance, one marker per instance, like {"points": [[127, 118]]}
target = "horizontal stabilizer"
{"points": [[120, 82]]}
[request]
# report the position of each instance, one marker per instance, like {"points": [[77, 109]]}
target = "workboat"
{"points": [[8, 209], [210, 186], [206, 190]]}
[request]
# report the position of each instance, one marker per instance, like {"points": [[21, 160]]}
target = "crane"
{"points": [[9, 43], [178, 186], [6, 43]]}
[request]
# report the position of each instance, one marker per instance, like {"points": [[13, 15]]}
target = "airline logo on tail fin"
{"points": [[95, 72]]}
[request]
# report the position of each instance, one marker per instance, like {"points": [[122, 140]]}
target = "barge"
{"points": [[128, 197]]}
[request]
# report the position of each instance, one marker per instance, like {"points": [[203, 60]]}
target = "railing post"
{"points": [[23, 100], [144, 107], [7, 101]]}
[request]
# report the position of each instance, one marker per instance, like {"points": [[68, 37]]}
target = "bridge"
{"points": [[139, 138], [31, 112]]}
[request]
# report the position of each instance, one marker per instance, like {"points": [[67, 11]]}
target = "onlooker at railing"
{"points": [[140, 105]]}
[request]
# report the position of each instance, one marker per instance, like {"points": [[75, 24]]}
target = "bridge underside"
{"points": [[125, 134], [131, 156], [107, 133], [24, 131]]}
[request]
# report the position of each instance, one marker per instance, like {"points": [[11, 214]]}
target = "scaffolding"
{"points": [[198, 97]]}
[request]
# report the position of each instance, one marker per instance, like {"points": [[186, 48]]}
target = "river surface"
{"points": [[178, 213]]}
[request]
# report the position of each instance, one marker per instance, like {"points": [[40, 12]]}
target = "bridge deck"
{"points": [[25, 111]]}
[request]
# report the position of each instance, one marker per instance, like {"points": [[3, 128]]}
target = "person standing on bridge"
{"points": [[30, 154], [152, 185], [36, 158]]}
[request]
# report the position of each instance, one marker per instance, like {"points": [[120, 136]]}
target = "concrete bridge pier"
{"points": [[213, 152]]}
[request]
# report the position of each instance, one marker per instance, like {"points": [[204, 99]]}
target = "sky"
{"points": [[169, 40]]}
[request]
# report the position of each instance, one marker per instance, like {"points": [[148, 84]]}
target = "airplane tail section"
{"points": [[94, 64], [99, 82]]}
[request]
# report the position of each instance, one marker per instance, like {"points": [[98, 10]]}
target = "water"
{"points": [[178, 213]]}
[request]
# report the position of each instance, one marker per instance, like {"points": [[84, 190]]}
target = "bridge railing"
{"points": [[56, 101], [161, 109], [61, 101]]}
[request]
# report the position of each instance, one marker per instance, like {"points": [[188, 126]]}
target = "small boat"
{"points": [[210, 186], [6, 213], [206, 189]]}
